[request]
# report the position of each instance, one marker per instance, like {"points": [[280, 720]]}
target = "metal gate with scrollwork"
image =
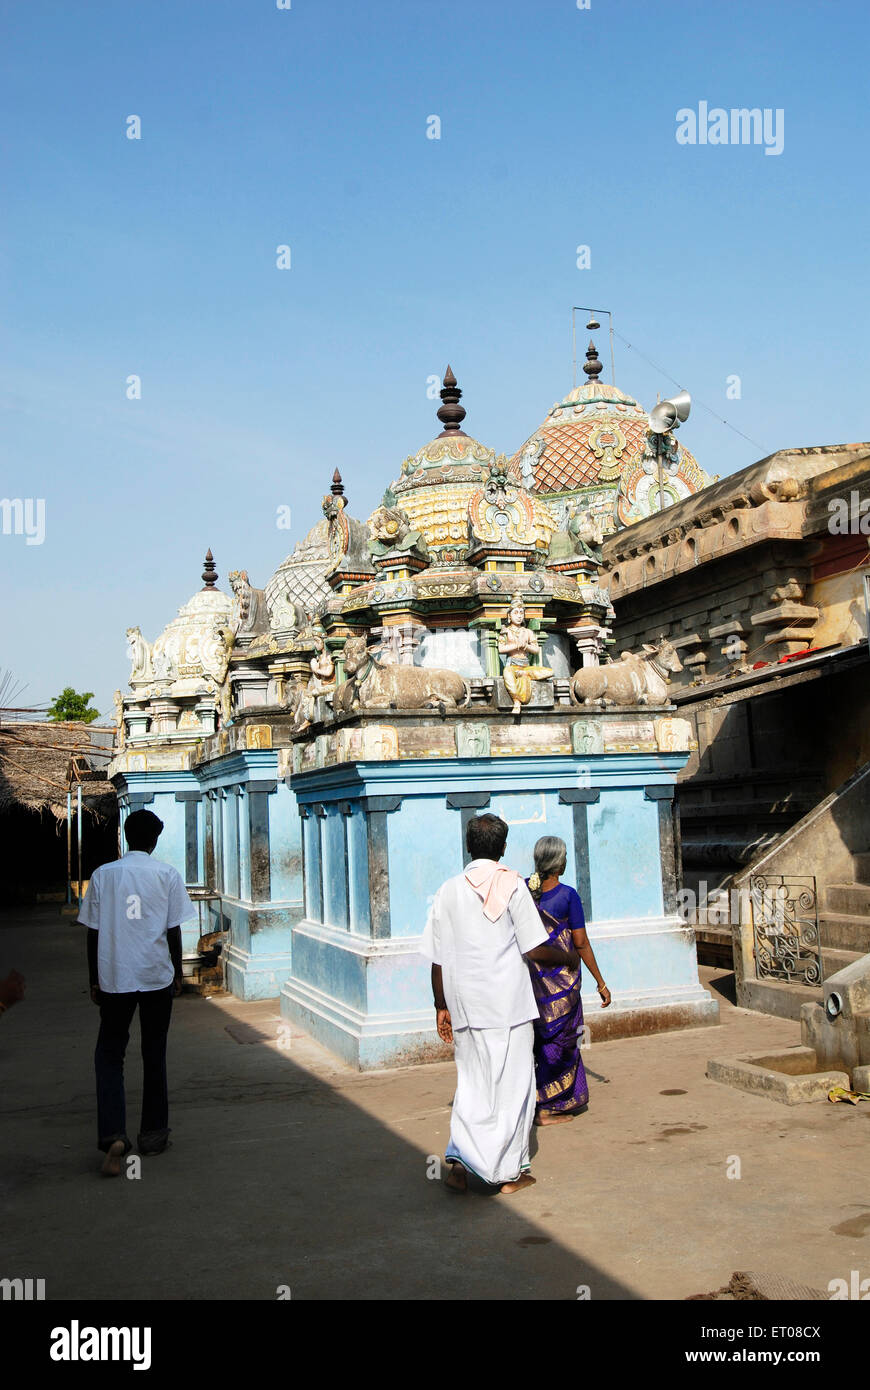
{"points": [[785, 928]]}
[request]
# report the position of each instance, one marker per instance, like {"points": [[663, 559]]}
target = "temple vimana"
{"points": [[591, 638]]}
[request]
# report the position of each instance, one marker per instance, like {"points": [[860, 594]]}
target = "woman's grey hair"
{"points": [[551, 856]]}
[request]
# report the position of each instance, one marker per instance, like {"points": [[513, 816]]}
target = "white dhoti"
{"points": [[494, 1105]]}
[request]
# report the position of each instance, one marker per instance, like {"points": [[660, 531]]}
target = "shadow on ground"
{"points": [[275, 1178]]}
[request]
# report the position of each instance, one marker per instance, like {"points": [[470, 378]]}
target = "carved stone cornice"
{"points": [[780, 487]]}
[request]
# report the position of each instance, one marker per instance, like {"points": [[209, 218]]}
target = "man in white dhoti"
{"points": [[481, 926]]}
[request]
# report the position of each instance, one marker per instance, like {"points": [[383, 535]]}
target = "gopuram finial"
{"points": [[209, 574], [593, 367], [451, 413], [337, 488]]}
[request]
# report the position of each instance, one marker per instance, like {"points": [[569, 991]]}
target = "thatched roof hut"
{"points": [[41, 761]]}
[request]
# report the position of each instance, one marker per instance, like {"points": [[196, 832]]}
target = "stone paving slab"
{"points": [[290, 1169]]}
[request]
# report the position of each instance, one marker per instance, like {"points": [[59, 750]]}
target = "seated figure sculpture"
{"points": [[517, 643]]}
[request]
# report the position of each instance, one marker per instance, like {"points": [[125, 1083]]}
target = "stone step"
{"points": [[778, 997], [843, 931], [851, 898], [834, 960], [862, 867]]}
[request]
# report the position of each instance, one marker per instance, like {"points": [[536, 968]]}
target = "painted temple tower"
{"points": [[315, 748], [594, 454]]}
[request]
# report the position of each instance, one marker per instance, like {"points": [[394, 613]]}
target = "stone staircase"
{"points": [[844, 918], [830, 844], [844, 936]]}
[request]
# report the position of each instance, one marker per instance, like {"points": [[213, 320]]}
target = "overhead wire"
{"points": [[695, 401]]}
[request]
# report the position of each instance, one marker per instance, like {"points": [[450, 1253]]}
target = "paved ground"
{"points": [[290, 1169]]}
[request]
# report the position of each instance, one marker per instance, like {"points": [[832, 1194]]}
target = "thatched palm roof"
{"points": [[41, 761]]}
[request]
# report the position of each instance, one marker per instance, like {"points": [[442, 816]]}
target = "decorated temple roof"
{"points": [[460, 528], [438, 483], [192, 649], [596, 440], [300, 579]]}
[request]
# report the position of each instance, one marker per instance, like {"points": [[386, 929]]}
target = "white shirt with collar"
{"points": [[132, 903], [486, 981]]}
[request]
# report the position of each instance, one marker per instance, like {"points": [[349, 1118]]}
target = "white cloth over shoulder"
{"points": [[132, 903], [494, 1105], [486, 981]]}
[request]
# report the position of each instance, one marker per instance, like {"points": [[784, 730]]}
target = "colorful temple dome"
{"points": [[594, 448], [299, 582], [191, 652], [438, 483], [304, 582]]}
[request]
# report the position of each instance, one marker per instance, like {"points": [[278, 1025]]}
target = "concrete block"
{"points": [[789, 1077]]}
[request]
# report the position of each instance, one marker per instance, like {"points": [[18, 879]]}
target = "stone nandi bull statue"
{"points": [[370, 685], [633, 680]]}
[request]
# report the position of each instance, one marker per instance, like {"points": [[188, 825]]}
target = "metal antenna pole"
{"points": [[574, 338], [659, 443]]}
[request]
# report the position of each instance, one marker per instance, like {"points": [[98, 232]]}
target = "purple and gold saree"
{"points": [[559, 1071]]}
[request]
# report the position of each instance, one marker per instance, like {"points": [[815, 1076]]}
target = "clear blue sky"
{"points": [[307, 127]]}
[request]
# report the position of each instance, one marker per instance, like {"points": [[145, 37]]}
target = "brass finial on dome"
{"points": [[593, 367], [451, 413], [209, 574]]}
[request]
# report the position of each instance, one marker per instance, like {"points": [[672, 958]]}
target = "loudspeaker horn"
{"points": [[668, 415]]}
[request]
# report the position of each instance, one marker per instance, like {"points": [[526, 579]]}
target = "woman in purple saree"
{"points": [[560, 1074]]}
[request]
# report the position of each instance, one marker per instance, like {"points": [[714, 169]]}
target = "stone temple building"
{"points": [[316, 746], [761, 584], [589, 638]]}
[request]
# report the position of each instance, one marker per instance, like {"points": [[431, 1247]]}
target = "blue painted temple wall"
{"points": [[325, 878]]}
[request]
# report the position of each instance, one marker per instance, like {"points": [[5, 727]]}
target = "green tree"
{"points": [[70, 705]]}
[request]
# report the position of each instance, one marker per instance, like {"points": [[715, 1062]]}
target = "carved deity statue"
{"points": [[321, 682], [249, 614], [390, 530], [163, 666], [215, 656], [139, 652], [579, 537], [585, 531], [528, 459], [516, 644], [495, 489]]}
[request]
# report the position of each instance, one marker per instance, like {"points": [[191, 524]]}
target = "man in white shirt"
{"points": [[483, 926], [134, 908]]}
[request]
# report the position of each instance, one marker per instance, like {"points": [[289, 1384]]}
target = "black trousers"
{"points": [[116, 1015]]}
